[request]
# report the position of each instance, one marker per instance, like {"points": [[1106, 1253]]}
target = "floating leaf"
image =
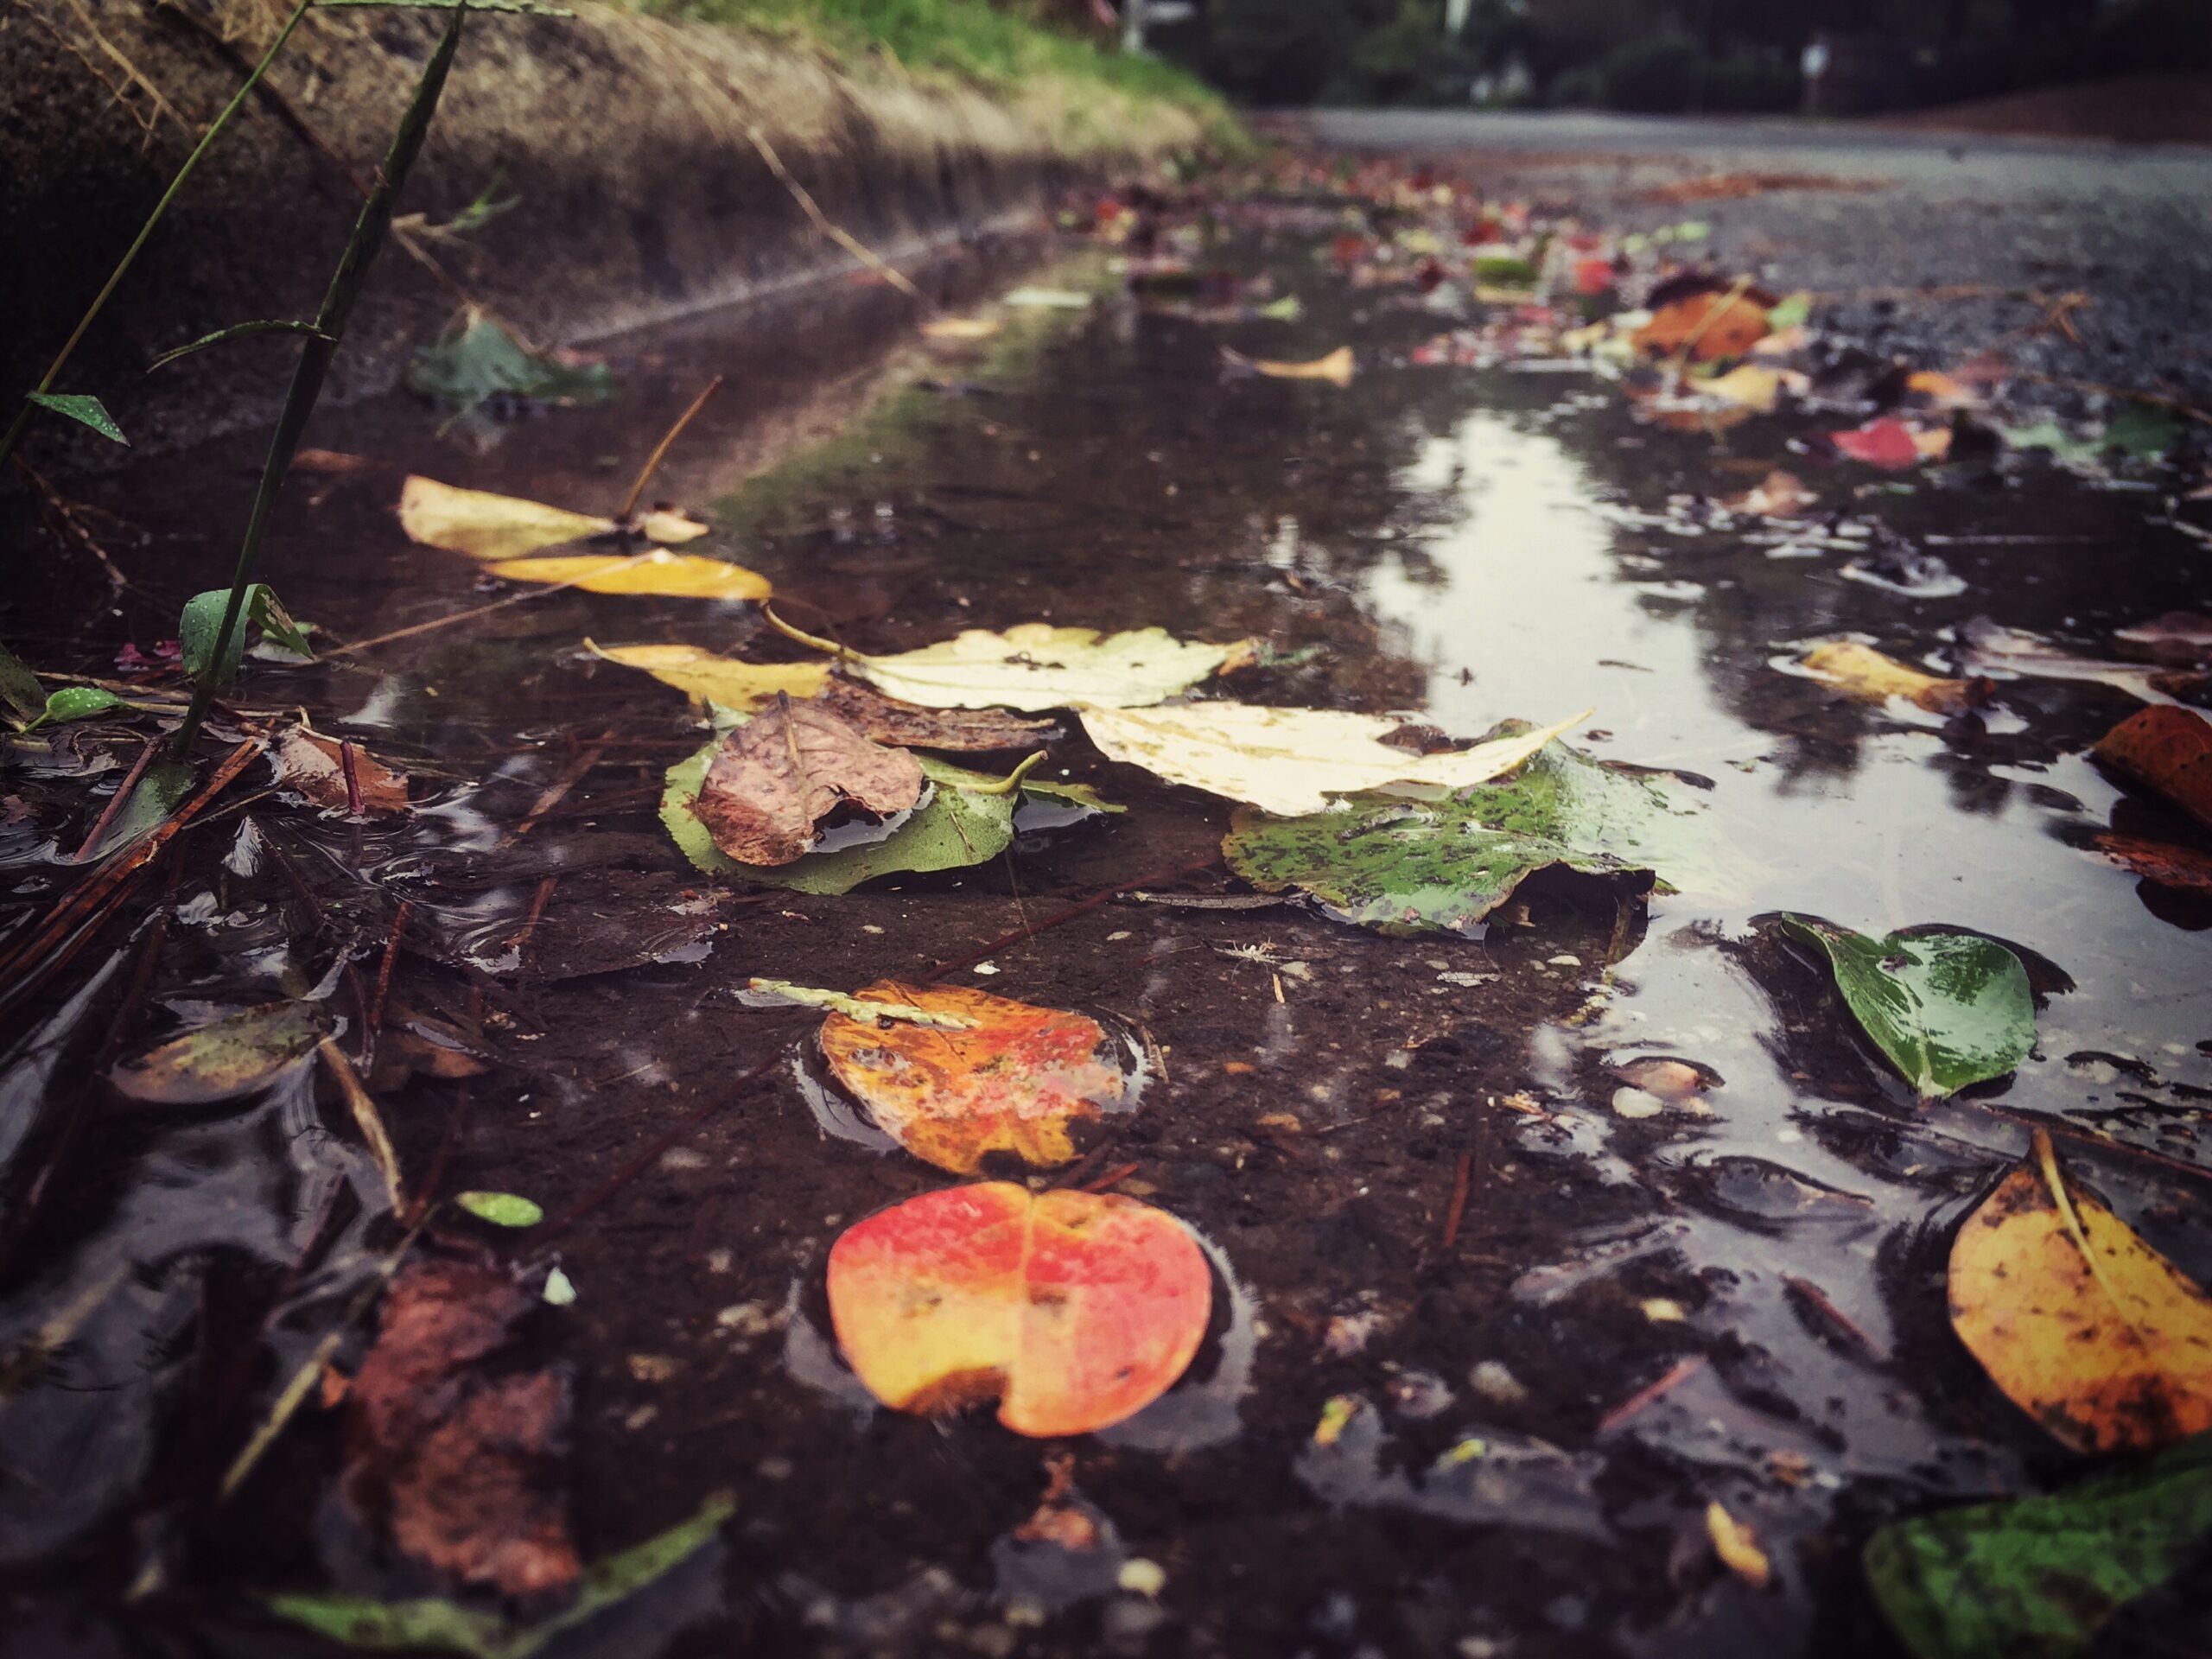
{"points": [[362, 1621], [1792, 312], [1892, 444], [2037, 1578], [478, 359], [1047, 299], [1992, 649], [659, 574], [2084, 1326], [2168, 748], [710, 677], [1949, 1009], [1710, 325], [232, 1057], [501, 1209], [1865, 674], [19, 688], [316, 766], [203, 618], [2157, 861], [1779, 495], [1075, 1310], [1011, 1080], [1289, 761], [960, 327], [1737, 1547], [1415, 867], [968, 819], [85, 409], [1335, 368], [1035, 665], [782, 992], [500, 528], [2061, 445], [776, 777]]}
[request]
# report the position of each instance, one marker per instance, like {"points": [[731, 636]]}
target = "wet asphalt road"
{"points": [[2128, 225]]}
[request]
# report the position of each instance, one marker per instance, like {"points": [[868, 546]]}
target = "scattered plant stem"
{"points": [[318, 349], [660, 450], [438, 622], [1457, 1208], [850, 244], [15, 433], [1678, 1374], [83, 854]]}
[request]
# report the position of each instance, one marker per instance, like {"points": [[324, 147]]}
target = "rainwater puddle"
{"points": [[1526, 1396]]}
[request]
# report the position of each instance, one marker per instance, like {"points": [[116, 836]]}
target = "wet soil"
{"points": [[1743, 1302]]}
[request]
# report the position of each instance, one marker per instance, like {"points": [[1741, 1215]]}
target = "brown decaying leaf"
{"points": [[906, 725], [316, 765], [2091, 1331], [2159, 861], [2168, 748], [458, 1460], [1712, 325], [789, 767]]}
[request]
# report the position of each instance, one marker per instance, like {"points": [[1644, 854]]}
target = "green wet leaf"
{"points": [[478, 359], [85, 409], [959, 826], [2037, 1578], [501, 1209], [1795, 308], [233, 1056], [77, 702], [203, 618], [2061, 445], [1949, 1009], [19, 687], [362, 1621], [1420, 866], [1285, 309], [2145, 431], [1504, 270]]}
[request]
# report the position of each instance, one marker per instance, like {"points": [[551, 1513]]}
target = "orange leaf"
{"points": [[1713, 325], [2170, 749], [2155, 861], [1011, 1080], [1074, 1310]]}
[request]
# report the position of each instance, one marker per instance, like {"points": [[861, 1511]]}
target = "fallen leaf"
{"points": [[1737, 1547], [1289, 761], [1941, 391], [501, 1209], [2174, 636], [960, 327], [1011, 1080], [659, 574], [427, 1621], [1336, 368], [2084, 1326], [968, 819], [1035, 665], [478, 359], [871, 1010], [458, 1457], [1779, 495], [1046, 299], [1669, 1079], [2037, 1578], [2159, 861], [316, 765], [1892, 444], [777, 776], [222, 1060], [1949, 1009], [503, 527], [2170, 750], [1752, 385], [1712, 325], [2005, 651], [710, 677], [1413, 866], [1865, 674], [1075, 1310], [19, 688]]}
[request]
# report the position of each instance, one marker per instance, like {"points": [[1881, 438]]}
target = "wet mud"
{"points": [[1428, 1222]]}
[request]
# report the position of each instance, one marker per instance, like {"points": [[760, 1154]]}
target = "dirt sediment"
{"points": [[627, 143]]}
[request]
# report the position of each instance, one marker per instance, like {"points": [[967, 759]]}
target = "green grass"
{"points": [[1097, 91]]}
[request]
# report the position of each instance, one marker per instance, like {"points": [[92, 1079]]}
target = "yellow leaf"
{"points": [[960, 327], [2085, 1326], [702, 674], [670, 527], [1335, 368], [1863, 673], [1754, 386], [488, 526], [672, 576], [1737, 1547]]}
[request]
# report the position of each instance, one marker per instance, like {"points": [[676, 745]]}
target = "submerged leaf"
{"points": [[1035, 665], [1414, 866], [1949, 1009], [1010, 1079], [777, 776], [2037, 1578], [1289, 761], [2168, 748], [2087, 1328], [316, 766], [478, 359], [232, 1057], [659, 574], [1075, 1310]]}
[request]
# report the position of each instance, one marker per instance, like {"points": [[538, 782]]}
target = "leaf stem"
{"points": [[843, 653], [1012, 781], [660, 451]]}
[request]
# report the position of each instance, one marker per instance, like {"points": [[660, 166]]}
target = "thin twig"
{"points": [[438, 622], [1457, 1206], [1082, 906], [123, 791], [851, 244], [660, 450]]}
